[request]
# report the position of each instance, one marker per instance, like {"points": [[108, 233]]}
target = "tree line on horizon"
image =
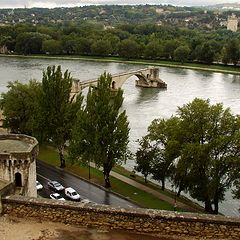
{"points": [[129, 41]]}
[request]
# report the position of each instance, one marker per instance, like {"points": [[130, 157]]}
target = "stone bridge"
{"points": [[147, 77]]}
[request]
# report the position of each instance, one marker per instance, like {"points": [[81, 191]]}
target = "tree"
{"points": [[30, 42], [202, 143], [153, 50], [210, 150], [181, 53], [144, 157], [57, 109], [18, 106], [207, 51], [169, 48], [165, 134], [232, 52], [101, 130], [83, 45], [129, 49], [52, 46], [101, 48]]}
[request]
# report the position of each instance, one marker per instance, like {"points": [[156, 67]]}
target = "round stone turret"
{"points": [[18, 155]]}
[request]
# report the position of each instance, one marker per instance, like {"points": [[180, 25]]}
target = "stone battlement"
{"points": [[159, 223]]}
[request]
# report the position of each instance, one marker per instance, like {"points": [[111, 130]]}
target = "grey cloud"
{"points": [[57, 3]]}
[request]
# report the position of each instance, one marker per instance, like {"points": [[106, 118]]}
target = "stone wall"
{"points": [[161, 223]]}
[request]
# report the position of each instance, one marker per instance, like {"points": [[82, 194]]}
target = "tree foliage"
{"points": [[181, 53], [19, 106], [145, 156], [101, 130], [210, 150], [165, 135], [199, 151], [56, 110]]}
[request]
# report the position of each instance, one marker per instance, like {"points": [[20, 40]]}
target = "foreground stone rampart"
{"points": [[161, 223]]}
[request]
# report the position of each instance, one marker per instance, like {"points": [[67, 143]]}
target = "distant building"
{"points": [[232, 23]]}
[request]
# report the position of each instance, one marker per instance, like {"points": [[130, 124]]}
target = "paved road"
{"points": [[46, 172]]}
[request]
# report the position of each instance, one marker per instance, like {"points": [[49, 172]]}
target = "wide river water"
{"points": [[142, 105]]}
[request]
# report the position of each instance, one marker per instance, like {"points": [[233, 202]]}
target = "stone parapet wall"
{"points": [[161, 223]]}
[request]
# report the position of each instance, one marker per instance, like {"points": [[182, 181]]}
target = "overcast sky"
{"points": [[70, 3]]}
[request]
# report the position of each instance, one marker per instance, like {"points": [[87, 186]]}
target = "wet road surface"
{"points": [[46, 172]]}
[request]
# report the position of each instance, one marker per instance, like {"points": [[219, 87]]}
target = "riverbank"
{"points": [[193, 66]]}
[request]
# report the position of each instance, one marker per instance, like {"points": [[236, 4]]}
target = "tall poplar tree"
{"points": [[101, 131], [57, 109]]}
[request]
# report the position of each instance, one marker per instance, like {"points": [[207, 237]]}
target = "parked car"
{"points": [[56, 196], [72, 194], [39, 186], [56, 186]]}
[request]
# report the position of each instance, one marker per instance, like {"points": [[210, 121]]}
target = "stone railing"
{"points": [[160, 223]]}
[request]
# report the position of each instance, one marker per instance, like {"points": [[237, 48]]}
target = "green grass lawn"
{"points": [[49, 155]]}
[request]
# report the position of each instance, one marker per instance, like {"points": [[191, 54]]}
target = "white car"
{"points": [[56, 186], [39, 186], [72, 194], [56, 196]]}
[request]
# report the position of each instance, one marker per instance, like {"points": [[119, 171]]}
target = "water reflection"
{"points": [[147, 94], [236, 79]]}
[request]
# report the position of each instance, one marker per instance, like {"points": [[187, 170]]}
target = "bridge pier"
{"points": [[152, 80]]}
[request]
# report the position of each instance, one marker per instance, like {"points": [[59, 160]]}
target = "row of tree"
{"points": [[198, 151], [127, 41], [96, 131]]}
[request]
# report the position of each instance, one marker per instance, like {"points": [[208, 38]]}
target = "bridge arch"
{"points": [[118, 81]]}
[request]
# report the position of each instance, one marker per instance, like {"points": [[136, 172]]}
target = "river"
{"points": [[142, 105]]}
